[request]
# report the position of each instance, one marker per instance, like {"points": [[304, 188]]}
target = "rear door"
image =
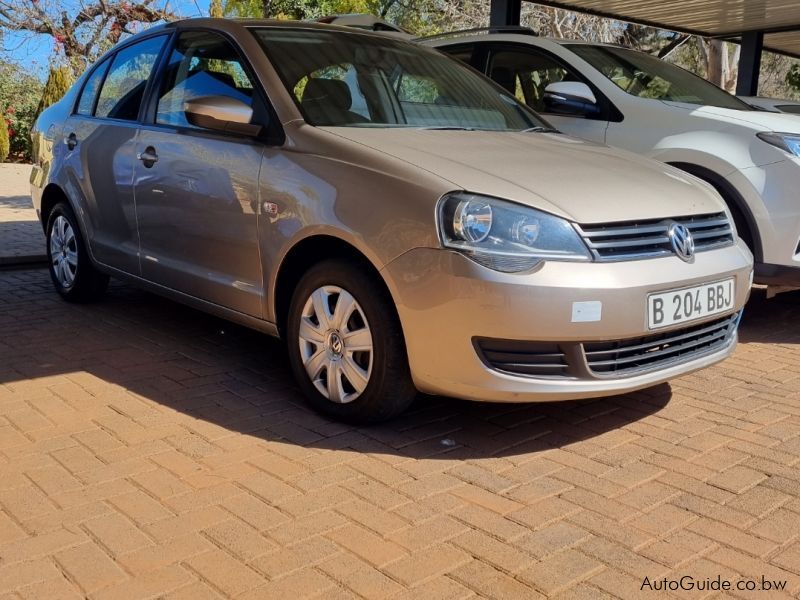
{"points": [[196, 189], [101, 142]]}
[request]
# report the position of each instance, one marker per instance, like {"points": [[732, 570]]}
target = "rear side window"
{"points": [[89, 93], [123, 88], [202, 64]]}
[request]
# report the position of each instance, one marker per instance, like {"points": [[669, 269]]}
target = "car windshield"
{"points": [[646, 76], [362, 80]]}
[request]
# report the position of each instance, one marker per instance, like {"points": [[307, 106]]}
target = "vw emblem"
{"points": [[682, 241]]}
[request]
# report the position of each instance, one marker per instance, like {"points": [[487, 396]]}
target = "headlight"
{"points": [[790, 142], [505, 236]]}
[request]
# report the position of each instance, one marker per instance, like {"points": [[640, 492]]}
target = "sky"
{"points": [[33, 51]]}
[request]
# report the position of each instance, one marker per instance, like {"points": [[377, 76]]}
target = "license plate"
{"points": [[689, 304]]}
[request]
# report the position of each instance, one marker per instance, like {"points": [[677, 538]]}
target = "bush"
{"points": [[58, 83], [20, 93], [5, 146]]}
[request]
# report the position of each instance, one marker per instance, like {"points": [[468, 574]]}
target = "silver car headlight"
{"points": [[790, 142], [506, 236]]}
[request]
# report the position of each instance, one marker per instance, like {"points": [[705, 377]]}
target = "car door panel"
{"points": [[196, 190], [197, 210]]}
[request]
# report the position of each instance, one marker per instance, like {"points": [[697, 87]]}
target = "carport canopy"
{"points": [[756, 24]]}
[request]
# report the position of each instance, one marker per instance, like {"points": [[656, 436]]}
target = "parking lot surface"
{"points": [[148, 450]]}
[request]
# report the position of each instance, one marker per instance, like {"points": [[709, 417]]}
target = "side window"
{"points": [[417, 89], [526, 74], [202, 64], [90, 89], [124, 86], [350, 100], [462, 53]]}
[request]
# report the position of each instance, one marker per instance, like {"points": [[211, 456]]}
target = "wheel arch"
{"points": [[302, 256], [733, 199]]}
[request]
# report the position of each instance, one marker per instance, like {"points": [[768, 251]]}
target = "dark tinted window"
{"points": [[89, 93], [124, 86], [789, 108], [202, 64]]}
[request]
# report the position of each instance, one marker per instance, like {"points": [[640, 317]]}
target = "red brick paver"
{"points": [[21, 236], [148, 450]]}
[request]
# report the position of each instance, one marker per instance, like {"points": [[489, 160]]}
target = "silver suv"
{"points": [[402, 222]]}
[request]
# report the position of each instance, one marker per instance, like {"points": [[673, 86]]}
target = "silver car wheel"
{"points": [[64, 252], [336, 344]]}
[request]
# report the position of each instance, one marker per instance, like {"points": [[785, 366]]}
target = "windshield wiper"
{"points": [[446, 128], [540, 129]]}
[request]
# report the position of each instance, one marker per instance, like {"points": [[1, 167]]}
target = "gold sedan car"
{"points": [[401, 221]]}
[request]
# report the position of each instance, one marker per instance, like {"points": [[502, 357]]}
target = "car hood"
{"points": [[576, 179], [757, 120]]}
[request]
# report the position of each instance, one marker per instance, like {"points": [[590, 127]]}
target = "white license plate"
{"points": [[689, 304]]}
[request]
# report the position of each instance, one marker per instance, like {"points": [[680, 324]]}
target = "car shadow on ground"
{"points": [[771, 321], [240, 380], [16, 202]]}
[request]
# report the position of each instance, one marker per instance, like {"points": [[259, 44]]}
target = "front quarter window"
{"points": [[646, 76]]}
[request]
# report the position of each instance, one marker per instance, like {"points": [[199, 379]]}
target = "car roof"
{"points": [[474, 35]]}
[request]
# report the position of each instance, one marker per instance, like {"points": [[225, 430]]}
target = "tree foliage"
{"points": [[58, 83], [5, 145], [20, 93], [80, 31]]}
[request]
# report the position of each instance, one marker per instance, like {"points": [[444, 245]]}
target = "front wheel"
{"points": [[71, 269], [346, 346]]}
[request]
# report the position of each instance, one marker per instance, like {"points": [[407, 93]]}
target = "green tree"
{"points": [[215, 9], [20, 93], [5, 145], [58, 83]]}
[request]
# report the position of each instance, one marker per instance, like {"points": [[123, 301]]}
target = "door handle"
{"points": [[148, 157], [71, 141]]}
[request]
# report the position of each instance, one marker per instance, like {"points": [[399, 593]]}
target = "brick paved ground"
{"points": [[148, 450], [21, 237]]}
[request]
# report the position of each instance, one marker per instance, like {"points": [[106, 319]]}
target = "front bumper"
{"points": [[447, 304]]}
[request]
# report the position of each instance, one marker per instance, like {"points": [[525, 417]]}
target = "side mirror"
{"points": [[571, 98], [221, 113]]}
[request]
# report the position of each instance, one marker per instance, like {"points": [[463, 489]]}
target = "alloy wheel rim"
{"points": [[336, 344], [63, 252]]}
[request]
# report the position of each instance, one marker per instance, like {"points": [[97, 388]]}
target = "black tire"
{"points": [[389, 388], [82, 283]]}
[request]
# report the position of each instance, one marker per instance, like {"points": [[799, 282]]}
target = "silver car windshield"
{"points": [[356, 80], [646, 76]]}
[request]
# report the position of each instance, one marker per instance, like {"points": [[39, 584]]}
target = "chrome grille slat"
{"points": [[640, 240], [659, 350], [636, 348], [665, 352]]}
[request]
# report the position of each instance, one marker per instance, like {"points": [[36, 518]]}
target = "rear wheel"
{"points": [[346, 346], [71, 270]]}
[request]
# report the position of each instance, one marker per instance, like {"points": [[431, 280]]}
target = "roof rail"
{"points": [[492, 29]]}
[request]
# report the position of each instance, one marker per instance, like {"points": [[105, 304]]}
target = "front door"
{"points": [[526, 72], [197, 190]]}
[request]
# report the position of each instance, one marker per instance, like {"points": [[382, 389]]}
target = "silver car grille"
{"points": [[635, 240], [659, 350], [613, 359]]}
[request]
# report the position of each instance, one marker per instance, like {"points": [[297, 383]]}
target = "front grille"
{"points": [[600, 360], [634, 240], [523, 358], [658, 350]]}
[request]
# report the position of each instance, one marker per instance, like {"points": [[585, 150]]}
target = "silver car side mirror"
{"points": [[221, 113]]}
